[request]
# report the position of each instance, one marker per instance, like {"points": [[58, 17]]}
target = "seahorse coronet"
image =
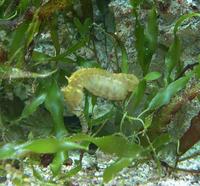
{"points": [[99, 82]]}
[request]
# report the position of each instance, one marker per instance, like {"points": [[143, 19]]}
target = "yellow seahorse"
{"points": [[99, 82]]}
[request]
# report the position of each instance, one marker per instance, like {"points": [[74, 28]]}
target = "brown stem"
{"points": [[190, 157], [193, 171], [186, 68]]}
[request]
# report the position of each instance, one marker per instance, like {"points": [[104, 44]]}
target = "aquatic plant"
{"points": [[101, 83], [32, 98]]}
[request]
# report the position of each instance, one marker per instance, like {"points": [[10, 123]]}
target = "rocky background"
{"points": [[93, 165]]}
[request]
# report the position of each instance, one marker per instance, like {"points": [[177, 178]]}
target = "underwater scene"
{"points": [[100, 92]]}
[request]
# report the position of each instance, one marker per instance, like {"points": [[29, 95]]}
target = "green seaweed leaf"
{"points": [[136, 3], [79, 26], [125, 65], [183, 18], [197, 71], [46, 145], [7, 72], [54, 34], [117, 145], [2, 2], [163, 97], [102, 119], [74, 171], [139, 43], [33, 29], [151, 32], [7, 151], [146, 40], [32, 107], [40, 57], [111, 171], [148, 121], [139, 93], [173, 57], [161, 140], [58, 161], [70, 50], [18, 39], [112, 144], [152, 76], [54, 105], [23, 5]]}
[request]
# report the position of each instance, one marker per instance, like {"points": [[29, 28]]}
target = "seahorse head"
{"points": [[74, 98]]}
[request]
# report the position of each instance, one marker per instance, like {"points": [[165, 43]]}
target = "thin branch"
{"points": [[189, 157], [193, 171], [186, 68]]}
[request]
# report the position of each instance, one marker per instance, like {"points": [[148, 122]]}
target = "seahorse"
{"points": [[99, 82]]}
